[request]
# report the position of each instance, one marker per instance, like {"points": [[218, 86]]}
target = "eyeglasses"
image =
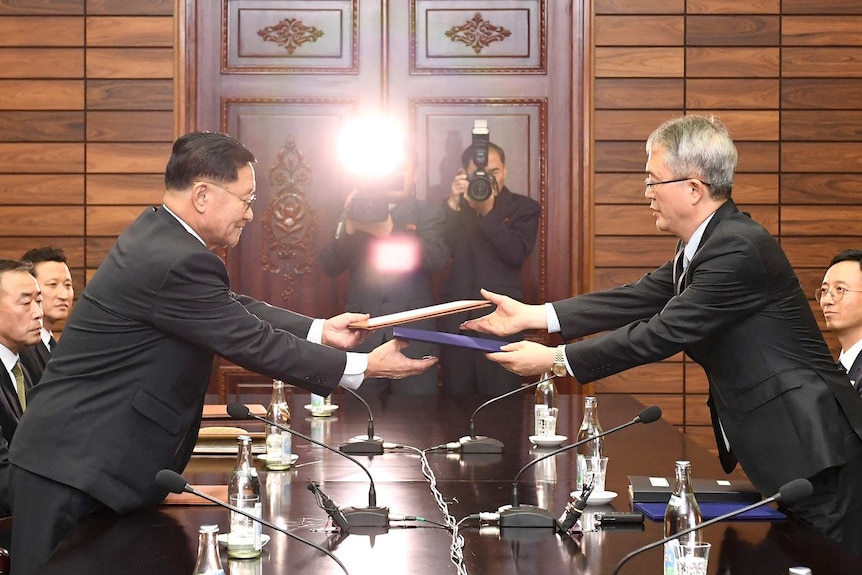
{"points": [[837, 293], [248, 202], [650, 184]]}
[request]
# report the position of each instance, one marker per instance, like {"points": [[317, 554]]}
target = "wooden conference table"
{"points": [[164, 540]]}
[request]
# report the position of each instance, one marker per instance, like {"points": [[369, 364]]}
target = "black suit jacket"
{"points": [[489, 252], [122, 396], [415, 223], [34, 358], [742, 315]]}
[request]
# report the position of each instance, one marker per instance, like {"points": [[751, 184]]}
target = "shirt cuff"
{"points": [[354, 370], [553, 320], [315, 332]]}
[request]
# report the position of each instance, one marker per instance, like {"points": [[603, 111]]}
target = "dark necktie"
{"points": [[678, 271], [51, 343], [19, 385]]}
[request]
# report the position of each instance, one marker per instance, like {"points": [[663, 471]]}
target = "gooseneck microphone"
{"points": [[368, 445], [482, 444], [516, 515], [788, 494], [371, 516], [175, 483]]}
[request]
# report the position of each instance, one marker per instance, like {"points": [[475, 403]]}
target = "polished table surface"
{"points": [[164, 540]]}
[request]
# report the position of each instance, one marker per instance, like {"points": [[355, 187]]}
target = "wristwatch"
{"points": [[559, 369]]}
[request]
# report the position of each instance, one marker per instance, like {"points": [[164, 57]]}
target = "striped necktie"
{"points": [[19, 385], [678, 269]]}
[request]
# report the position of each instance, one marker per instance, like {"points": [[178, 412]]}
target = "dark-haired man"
{"points": [[20, 325], [122, 396], [55, 281], [490, 241], [840, 299]]}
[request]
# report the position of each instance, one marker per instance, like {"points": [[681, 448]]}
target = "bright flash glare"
{"points": [[371, 146], [396, 255]]}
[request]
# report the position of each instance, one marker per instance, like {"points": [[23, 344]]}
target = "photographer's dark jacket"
{"points": [[489, 252], [379, 293]]}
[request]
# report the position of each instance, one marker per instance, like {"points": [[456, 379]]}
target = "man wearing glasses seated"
{"points": [[841, 303]]}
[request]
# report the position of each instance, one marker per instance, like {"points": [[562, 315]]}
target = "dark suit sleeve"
{"points": [[431, 228], [344, 253], [278, 317], [512, 228], [194, 302], [727, 283]]}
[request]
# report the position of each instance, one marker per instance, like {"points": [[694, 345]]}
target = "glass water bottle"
{"points": [[243, 489], [209, 561], [278, 441], [682, 512]]}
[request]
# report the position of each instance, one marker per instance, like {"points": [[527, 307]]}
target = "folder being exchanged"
{"points": [[420, 313], [453, 339]]}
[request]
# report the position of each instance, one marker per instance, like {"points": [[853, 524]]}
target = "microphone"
{"points": [[368, 445], [175, 483], [329, 506], [788, 494], [482, 444], [371, 516], [532, 516]]}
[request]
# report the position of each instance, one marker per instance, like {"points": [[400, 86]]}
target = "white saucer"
{"points": [[597, 497], [264, 539], [293, 459], [550, 441], [321, 410]]}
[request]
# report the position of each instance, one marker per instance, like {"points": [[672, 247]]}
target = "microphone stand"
{"points": [[176, 483], [371, 516], [516, 515], [483, 444], [788, 494], [368, 445]]}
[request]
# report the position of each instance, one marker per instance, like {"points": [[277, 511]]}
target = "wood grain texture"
{"points": [[820, 221], [41, 189], [121, 189], [41, 126], [41, 32], [721, 62], [821, 62], [131, 7], [733, 7], [49, 158], [43, 221], [24, 94], [817, 93], [730, 94], [130, 95], [130, 31], [111, 220], [73, 246], [836, 189], [821, 31], [615, 251], [127, 157], [629, 124], [650, 62], [42, 7], [823, 125], [42, 63], [822, 157], [651, 93], [141, 63], [639, 7], [146, 126], [735, 30], [640, 30], [821, 7], [663, 377]]}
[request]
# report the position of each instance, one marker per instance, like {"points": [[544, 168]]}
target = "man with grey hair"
{"points": [[730, 300]]}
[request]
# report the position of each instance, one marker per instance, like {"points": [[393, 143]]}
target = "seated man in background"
{"points": [[55, 280], [390, 242], [20, 325], [840, 299]]}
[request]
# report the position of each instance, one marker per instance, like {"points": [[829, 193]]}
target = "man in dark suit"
{"points": [[20, 325], [840, 301], [730, 300], [55, 280], [490, 241], [390, 257], [122, 396]]}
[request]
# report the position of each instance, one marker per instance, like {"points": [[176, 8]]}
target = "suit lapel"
{"points": [[855, 374], [9, 397]]}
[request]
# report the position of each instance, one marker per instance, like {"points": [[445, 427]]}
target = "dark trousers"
{"points": [[44, 512], [835, 507]]}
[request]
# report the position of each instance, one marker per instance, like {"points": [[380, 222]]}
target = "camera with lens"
{"points": [[371, 201], [480, 184]]}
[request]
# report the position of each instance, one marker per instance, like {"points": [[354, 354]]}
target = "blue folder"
{"points": [[442, 338], [655, 511]]}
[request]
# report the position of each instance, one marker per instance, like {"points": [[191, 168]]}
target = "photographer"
{"points": [[390, 242], [490, 239]]}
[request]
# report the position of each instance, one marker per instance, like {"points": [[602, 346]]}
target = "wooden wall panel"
{"points": [[86, 121]]}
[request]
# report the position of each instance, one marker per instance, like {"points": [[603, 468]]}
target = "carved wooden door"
{"points": [[283, 76]]}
